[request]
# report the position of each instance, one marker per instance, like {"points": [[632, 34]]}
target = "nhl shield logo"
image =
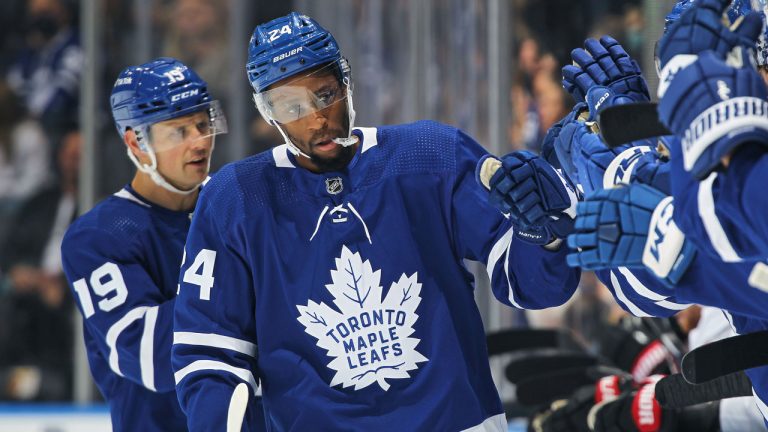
{"points": [[334, 185]]}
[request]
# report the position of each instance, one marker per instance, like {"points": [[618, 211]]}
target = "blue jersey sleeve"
{"points": [[522, 275], [640, 293], [719, 214], [124, 311], [214, 335]]}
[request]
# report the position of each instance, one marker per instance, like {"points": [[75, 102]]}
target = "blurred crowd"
{"points": [[41, 65]]}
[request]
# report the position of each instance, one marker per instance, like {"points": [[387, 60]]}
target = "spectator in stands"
{"points": [[46, 73], [35, 306], [24, 151], [197, 36]]}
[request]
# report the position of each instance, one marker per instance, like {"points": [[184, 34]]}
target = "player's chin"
{"points": [[195, 174]]}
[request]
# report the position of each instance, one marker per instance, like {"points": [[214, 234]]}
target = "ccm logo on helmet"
{"points": [[287, 54], [184, 95]]}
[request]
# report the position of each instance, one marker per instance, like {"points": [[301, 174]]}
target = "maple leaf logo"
{"points": [[368, 338]]}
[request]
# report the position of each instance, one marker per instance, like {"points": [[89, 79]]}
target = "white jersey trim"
{"points": [[147, 350], [369, 138], [215, 341], [644, 291], [717, 235], [633, 309], [760, 405], [280, 154], [146, 347], [125, 194], [497, 423], [200, 365], [501, 248]]}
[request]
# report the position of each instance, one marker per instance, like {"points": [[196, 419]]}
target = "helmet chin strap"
{"points": [[291, 146], [350, 139], [157, 178]]}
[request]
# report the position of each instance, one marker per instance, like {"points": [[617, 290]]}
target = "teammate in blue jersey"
{"points": [[340, 256], [122, 257], [602, 75], [719, 164]]}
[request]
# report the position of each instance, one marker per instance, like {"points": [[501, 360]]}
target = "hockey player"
{"points": [[583, 157], [122, 257], [339, 254], [719, 165]]}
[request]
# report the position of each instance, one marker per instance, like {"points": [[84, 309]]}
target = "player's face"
{"points": [[313, 133], [183, 148]]}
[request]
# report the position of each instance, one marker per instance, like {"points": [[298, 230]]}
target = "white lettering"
{"points": [[287, 54], [184, 95]]}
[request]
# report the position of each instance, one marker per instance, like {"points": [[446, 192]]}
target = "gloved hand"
{"points": [[567, 415], [699, 29], [650, 169], [533, 194], [714, 107], [548, 150], [595, 166], [604, 63], [633, 411], [631, 227]]}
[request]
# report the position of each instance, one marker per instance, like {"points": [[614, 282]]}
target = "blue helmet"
{"points": [[159, 90], [286, 46]]}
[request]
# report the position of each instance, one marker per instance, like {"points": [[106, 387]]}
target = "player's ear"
{"points": [[132, 142]]}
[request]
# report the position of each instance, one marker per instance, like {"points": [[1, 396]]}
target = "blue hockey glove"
{"points": [[595, 166], [540, 201], [604, 63], [548, 148], [700, 28], [650, 169], [714, 107], [630, 227]]}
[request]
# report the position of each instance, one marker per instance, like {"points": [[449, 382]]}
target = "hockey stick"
{"points": [[675, 392], [726, 356], [525, 364], [517, 339], [622, 124], [237, 406], [560, 384]]}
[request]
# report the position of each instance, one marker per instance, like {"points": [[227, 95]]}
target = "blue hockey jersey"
{"points": [[723, 214], [345, 294], [122, 261]]}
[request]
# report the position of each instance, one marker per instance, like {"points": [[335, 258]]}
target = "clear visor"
{"points": [[301, 97], [199, 124]]}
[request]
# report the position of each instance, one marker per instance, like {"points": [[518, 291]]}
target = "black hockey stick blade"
{"points": [[559, 384], [622, 124], [675, 392], [525, 364], [511, 340], [726, 356]]}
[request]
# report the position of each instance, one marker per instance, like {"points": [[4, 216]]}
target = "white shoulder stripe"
{"points": [[369, 138], [280, 154], [201, 365], [717, 235], [123, 193], [215, 341]]}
